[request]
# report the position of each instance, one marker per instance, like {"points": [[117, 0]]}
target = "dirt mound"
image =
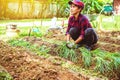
{"points": [[109, 33], [109, 41], [23, 65]]}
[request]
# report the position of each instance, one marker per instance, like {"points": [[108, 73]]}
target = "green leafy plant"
{"points": [[43, 49], [86, 57], [19, 43], [92, 6], [5, 76], [102, 65], [115, 60], [106, 62], [67, 53]]}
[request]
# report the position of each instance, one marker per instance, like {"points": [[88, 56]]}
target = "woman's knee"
{"points": [[73, 31], [89, 31]]}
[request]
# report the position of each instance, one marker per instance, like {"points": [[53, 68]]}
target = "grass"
{"points": [[107, 22], [4, 75], [41, 51], [2, 30], [106, 62], [111, 23], [24, 25]]}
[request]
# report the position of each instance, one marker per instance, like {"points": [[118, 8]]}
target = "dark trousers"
{"points": [[90, 37]]}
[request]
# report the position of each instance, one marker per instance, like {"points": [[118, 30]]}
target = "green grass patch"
{"points": [[107, 22], [4, 75], [41, 51]]}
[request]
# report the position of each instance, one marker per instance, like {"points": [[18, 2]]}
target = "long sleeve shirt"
{"points": [[82, 23]]}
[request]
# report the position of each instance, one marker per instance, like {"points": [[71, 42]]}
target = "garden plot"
{"points": [[23, 65], [108, 41]]}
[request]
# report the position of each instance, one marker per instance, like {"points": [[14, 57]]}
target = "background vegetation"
{"points": [[44, 9]]}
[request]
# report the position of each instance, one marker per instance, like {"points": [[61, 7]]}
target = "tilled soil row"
{"points": [[110, 40], [108, 47], [23, 65], [109, 33]]}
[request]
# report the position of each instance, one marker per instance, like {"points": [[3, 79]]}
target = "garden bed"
{"points": [[23, 64]]}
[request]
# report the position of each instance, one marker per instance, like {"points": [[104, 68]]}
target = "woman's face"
{"points": [[74, 9]]}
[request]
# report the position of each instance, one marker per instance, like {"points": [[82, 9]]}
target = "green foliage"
{"points": [[106, 61], [86, 57], [106, 1], [102, 65], [92, 6], [33, 31], [115, 60], [19, 43], [67, 53], [2, 30], [5, 76], [43, 50]]}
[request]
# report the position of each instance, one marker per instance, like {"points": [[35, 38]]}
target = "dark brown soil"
{"points": [[109, 41], [23, 65]]}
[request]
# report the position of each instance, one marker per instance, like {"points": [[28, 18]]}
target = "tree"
{"points": [[92, 6], [3, 8]]}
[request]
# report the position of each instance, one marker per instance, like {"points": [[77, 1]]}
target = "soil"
{"points": [[24, 65], [109, 41]]}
